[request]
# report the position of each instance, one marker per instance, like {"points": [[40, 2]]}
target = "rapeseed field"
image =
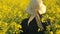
{"points": [[12, 12]]}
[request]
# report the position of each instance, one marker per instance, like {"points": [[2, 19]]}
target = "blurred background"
{"points": [[12, 12]]}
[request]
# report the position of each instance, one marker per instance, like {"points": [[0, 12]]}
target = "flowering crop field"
{"points": [[12, 12]]}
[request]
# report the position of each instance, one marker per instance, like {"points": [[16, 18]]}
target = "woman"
{"points": [[36, 8], [30, 25]]}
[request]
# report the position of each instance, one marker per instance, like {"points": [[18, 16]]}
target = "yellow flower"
{"points": [[58, 32], [51, 32], [39, 29], [43, 20], [0, 16], [19, 26]]}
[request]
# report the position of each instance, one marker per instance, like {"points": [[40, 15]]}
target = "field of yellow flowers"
{"points": [[12, 12]]}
